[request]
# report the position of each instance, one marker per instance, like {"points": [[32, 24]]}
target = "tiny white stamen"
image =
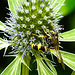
{"points": [[27, 19], [49, 3], [26, 3], [28, 32], [33, 1], [52, 14], [23, 25], [16, 16], [47, 30], [18, 26], [25, 42], [47, 9], [21, 34], [21, 18], [52, 24], [40, 11], [33, 7], [26, 11], [39, 22], [44, 26], [31, 26], [50, 7], [42, 5], [49, 21], [21, 10], [33, 16], [38, 31], [45, 17], [46, 0], [32, 39]]}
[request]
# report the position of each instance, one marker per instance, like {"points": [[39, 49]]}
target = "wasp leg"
{"points": [[46, 32], [40, 36], [51, 50]]}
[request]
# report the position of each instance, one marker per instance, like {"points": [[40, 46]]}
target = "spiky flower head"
{"points": [[30, 18]]}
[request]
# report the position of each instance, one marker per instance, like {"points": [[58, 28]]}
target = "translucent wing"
{"points": [[59, 57]]}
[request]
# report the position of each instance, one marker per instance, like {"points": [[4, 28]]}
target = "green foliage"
{"points": [[68, 36], [43, 69], [13, 5], [3, 43], [25, 65], [68, 7], [73, 73], [49, 63], [57, 4], [68, 58], [14, 68], [71, 21], [2, 26]]}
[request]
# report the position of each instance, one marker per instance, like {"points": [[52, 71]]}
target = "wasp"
{"points": [[41, 47], [52, 40]]}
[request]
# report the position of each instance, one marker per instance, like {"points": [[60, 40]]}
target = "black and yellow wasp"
{"points": [[52, 40]]}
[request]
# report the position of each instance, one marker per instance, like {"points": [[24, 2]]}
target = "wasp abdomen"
{"points": [[39, 47]]}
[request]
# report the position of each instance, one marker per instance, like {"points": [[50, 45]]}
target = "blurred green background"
{"points": [[69, 23]]}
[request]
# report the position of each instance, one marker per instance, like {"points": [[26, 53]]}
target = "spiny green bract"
{"points": [[30, 18]]}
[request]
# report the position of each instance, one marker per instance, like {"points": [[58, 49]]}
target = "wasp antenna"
{"points": [[46, 32]]}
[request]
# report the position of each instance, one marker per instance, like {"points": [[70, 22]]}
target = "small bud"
{"points": [[31, 26], [49, 21], [37, 31], [27, 19], [33, 1], [21, 18], [45, 17], [26, 11], [33, 16], [47, 9], [40, 11], [33, 7], [42, 5], [39, 22], [26, 3], [28, 32]]}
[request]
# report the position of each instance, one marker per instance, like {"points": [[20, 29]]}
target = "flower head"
{"points": [[30, 18], [33, 29]]}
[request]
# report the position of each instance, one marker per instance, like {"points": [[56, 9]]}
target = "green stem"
{"points": [[25, 70]]}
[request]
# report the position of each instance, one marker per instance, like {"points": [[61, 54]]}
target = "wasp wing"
{"points": [[59, 57]]}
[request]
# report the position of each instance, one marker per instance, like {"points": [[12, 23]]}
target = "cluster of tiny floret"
{"points": [[30, 18]]}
